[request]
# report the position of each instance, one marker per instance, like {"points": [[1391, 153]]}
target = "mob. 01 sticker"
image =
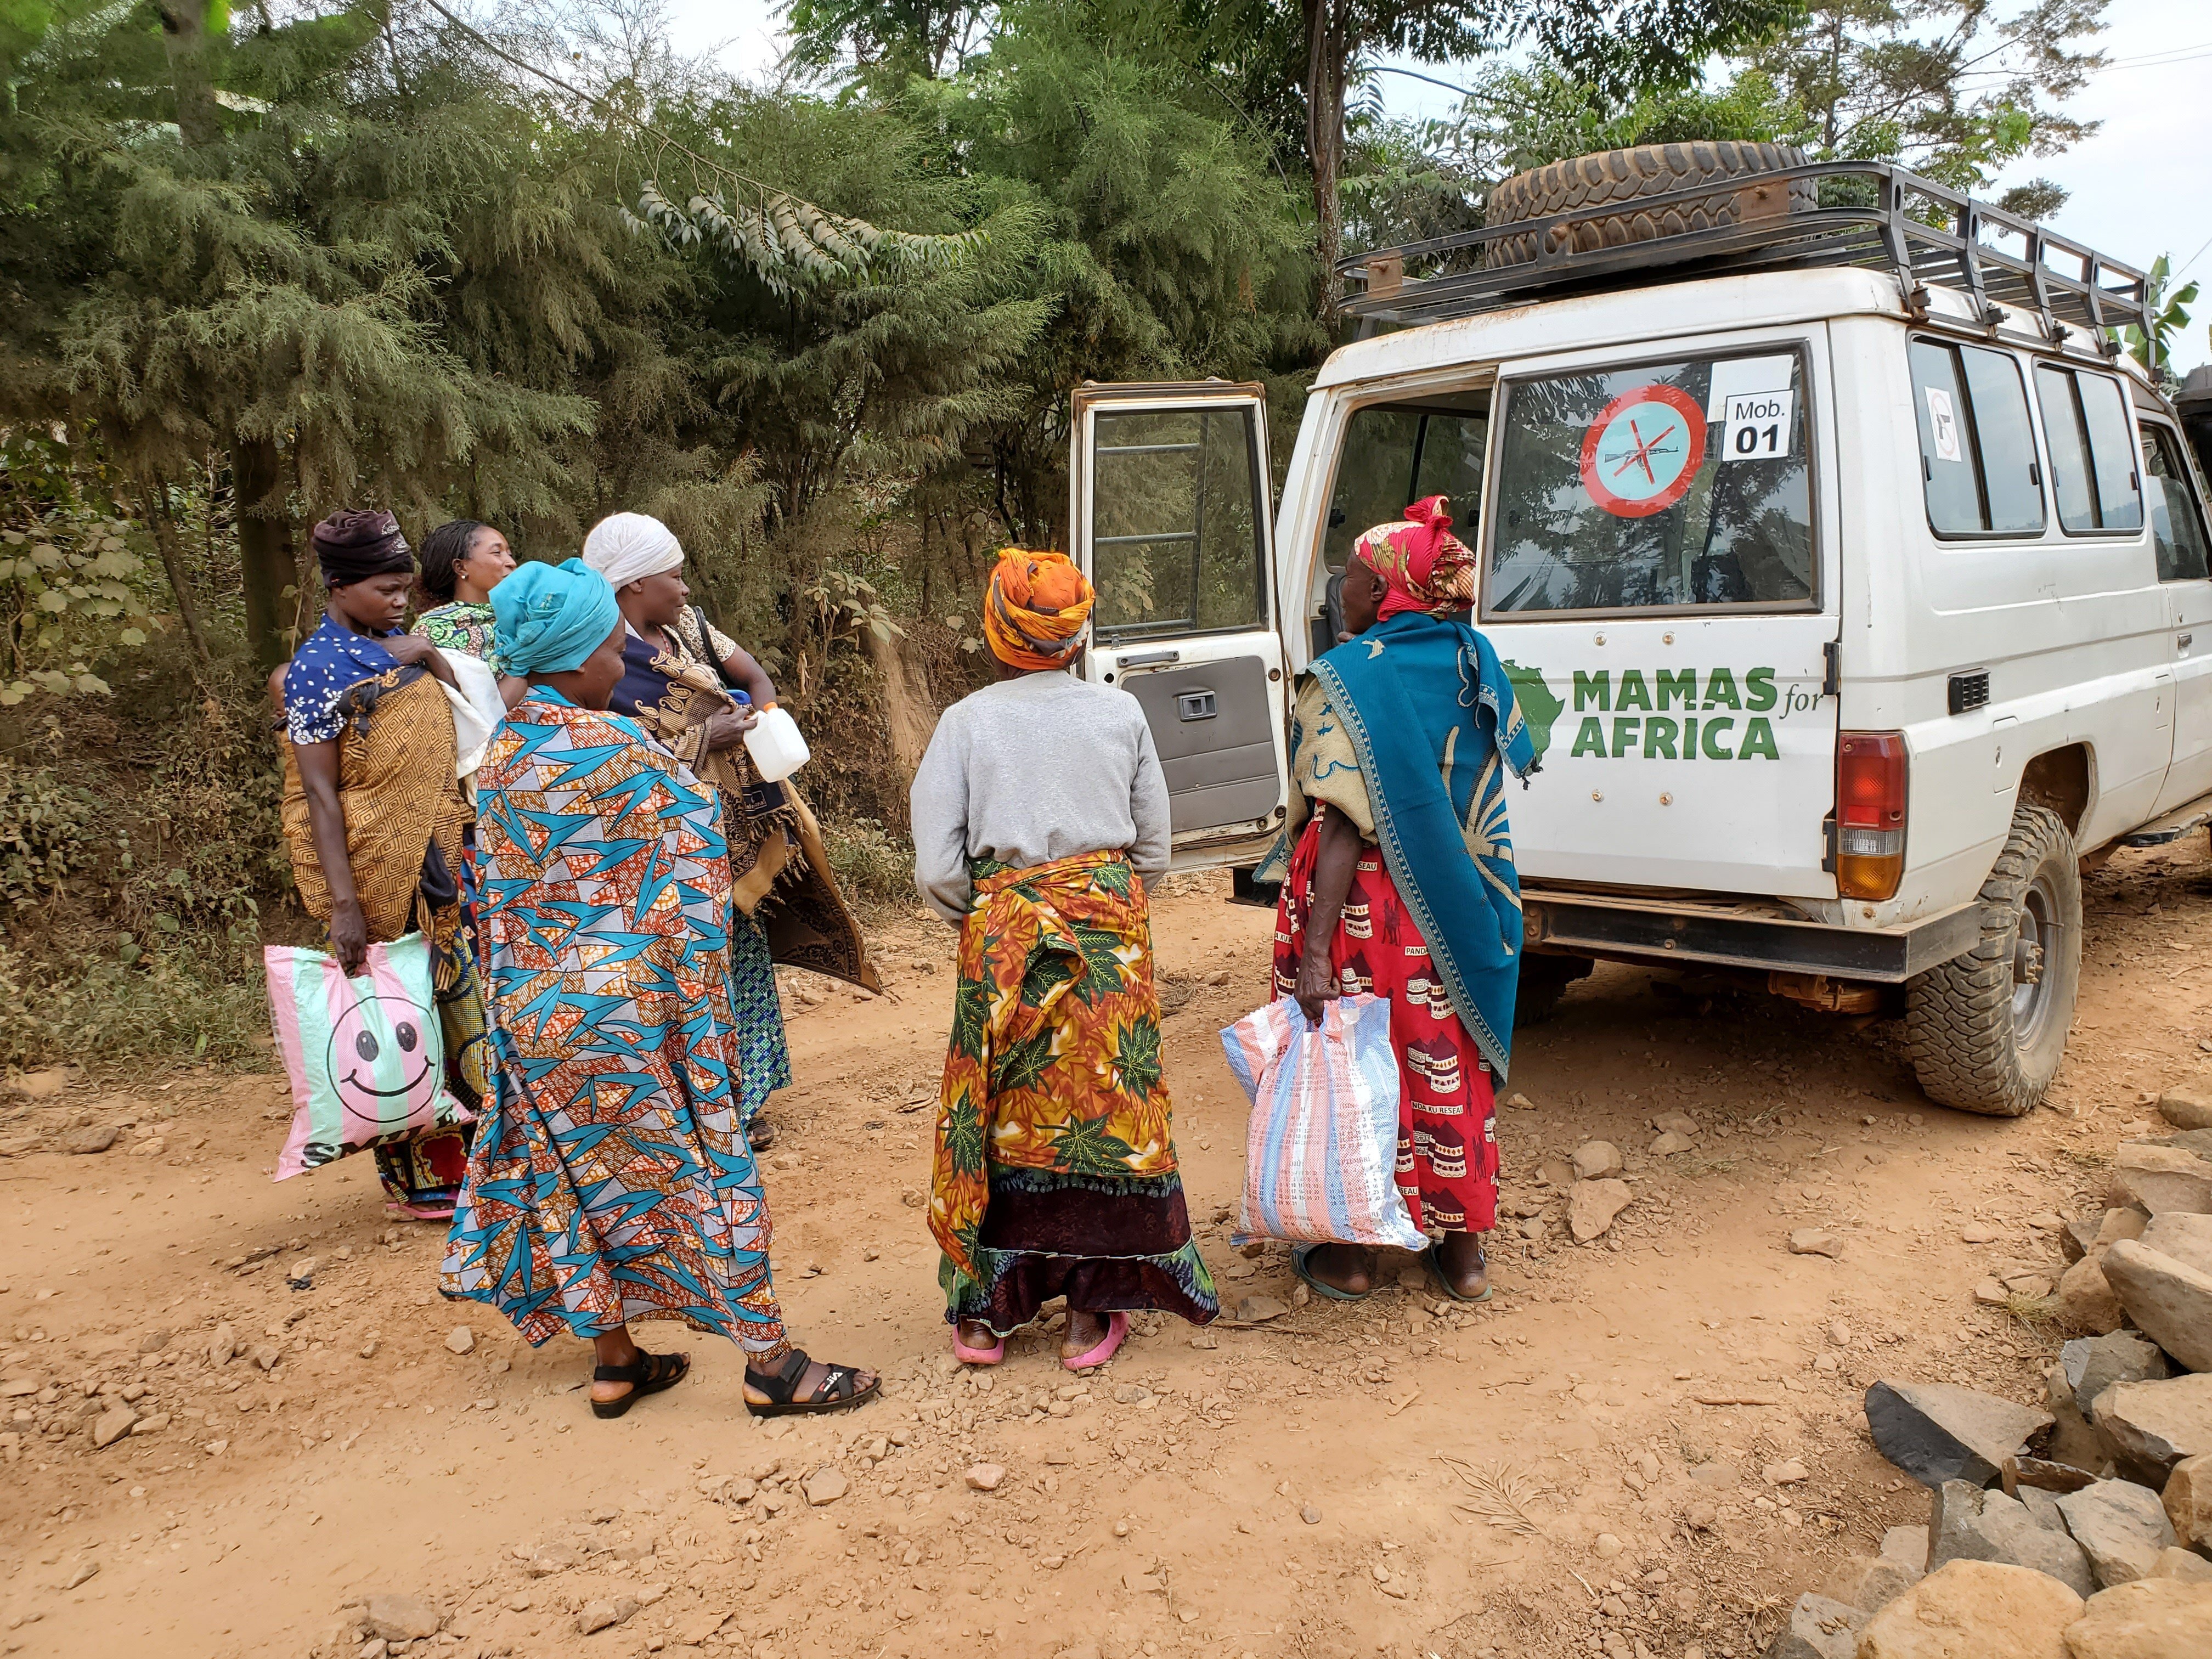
{"points": [[1641, 454]]}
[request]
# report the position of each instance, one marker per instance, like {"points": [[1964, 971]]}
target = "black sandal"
{"points": [[650, 1374], [836, 1392]]}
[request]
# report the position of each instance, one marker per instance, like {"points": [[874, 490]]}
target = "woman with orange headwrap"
{"points": [[1040, 812]]}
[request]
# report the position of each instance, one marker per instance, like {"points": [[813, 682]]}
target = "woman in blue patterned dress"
{"points": [[611, 1180]]}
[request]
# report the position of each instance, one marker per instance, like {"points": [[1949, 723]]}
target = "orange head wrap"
{"points": [[1035, 614]]}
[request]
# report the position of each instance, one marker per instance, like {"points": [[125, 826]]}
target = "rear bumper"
{"points": [[1663, 931]]}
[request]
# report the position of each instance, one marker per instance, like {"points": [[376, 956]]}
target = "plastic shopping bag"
{"points": [[367, 1056], [1322, 1142]]}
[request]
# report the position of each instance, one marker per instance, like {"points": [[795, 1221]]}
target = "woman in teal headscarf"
{"points": [[611, 1181], [1402, 884]]}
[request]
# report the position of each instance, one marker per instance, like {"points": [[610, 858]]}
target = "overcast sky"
{"points": [[2142, 186]]}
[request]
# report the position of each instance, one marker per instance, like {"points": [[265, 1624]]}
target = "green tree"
{"points": [[1955, 89]]}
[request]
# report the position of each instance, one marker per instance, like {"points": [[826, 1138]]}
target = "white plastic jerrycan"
{"points": [[776, 745]]}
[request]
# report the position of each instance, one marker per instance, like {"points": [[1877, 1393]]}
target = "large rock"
{"points": [[1592, 1206], [2188, 1105], [1935, 1432], [1974, 1610], [2185, 1237], [2093, 1363], [1871, 1582], [401, 1617], [2187, 1566], [2188, 1500], [2170, 1301], [1818, 1629], [2086, 1301], [2150, 1619], [1970, 1524], [2164, 1177], [2120, 1526], [1596, 1159], [2152, 1426]]}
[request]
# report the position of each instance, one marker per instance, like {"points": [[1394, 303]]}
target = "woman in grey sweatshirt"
{"points": [[1040, 814]]}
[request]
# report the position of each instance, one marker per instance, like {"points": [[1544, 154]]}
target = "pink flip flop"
{"points": [[1117, 1326], [968, 1356]]}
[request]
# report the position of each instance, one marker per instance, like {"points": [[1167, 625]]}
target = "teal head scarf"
{"points": [[550, 617]]}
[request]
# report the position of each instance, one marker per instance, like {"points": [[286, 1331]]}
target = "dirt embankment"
{"points": [[1554, 1473]]}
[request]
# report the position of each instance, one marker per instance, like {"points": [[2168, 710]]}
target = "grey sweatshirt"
{"points": [[1032, 770]]}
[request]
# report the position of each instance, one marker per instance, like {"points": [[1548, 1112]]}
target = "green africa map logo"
{"points": [[1672, 713]]}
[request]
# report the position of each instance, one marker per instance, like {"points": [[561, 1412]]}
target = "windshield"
{"points": [[1666, 485]]}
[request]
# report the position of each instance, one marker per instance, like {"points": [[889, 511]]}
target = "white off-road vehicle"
{"points": [[1855, 586]]}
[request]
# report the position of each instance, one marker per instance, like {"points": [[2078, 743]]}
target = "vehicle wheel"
{"points": [[1985, 1030], [1652, 183], [1544, 980]]}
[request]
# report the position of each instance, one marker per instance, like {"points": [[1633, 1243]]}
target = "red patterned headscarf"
{"points": [[1425, 566]]}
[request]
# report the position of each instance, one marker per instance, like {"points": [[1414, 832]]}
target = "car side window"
{"points": [[2177, 526], [1977, 461], [2093, 468]]}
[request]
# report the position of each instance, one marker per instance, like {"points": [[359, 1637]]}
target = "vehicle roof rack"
{"points": [[1870, 214]]}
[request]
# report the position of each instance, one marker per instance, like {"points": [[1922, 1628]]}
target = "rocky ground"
{"points": [[245, 1423]]}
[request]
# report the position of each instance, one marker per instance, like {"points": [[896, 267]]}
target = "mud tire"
{"points": [[1963, 1032], [1659, 189], [1544, 980]]}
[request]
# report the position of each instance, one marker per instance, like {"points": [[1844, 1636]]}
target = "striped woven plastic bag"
{"points": [[1322, 1145]]}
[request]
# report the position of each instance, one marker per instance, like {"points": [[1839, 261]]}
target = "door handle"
{"points": [[1144, 658], [1196, 705], [2182, 643]]}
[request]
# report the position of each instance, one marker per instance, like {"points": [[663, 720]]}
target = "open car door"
{"points": [[1169, 516]]}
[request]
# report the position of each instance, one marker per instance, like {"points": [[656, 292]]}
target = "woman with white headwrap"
{"points": [[699, 692]]}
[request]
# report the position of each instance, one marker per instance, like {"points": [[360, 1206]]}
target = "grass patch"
{"points": [[201, 1000], [874, 868]]}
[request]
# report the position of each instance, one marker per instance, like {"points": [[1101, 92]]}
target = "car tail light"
{"points": [[1870, 789]]}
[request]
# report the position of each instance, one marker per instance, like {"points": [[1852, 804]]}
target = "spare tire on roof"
{"points": [[1655, 190]]}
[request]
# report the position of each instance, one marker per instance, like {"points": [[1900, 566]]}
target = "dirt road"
{"points": [[1537, 1476]]}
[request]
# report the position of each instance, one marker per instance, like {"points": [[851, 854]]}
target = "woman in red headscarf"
{"points": [[1401, 884]]}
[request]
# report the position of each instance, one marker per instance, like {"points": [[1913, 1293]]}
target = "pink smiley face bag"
{"points": [[366, 1056]]}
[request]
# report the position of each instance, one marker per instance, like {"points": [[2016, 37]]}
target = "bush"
{"points": [[874, 868], [50, 831], [202, 1000]]}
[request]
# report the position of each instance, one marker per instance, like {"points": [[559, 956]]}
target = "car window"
{"points": [[2092, 450], [1673, 484], [1174, 541], [1949, 465], [2005, 437], [2177, 526], [1393, 455]]}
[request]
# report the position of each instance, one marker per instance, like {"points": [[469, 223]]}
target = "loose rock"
{"points": [[603, 1615], [1593, 1205], [2153, 1619], [2126, 1221], [2188, 1500], [1974, 1610], [401, 1617], [111, 1425], [2187, 1566], [2086, 1301], [1818, 1629], [826, 1486], [1935, 1432], [83, 1571], [1815, 1241], [1671, 1143], [2076, 1238], [1970, 1524], [1596, 1159], [2170, 1301], [460, 1339], [2162, 1178], [1908, 1545], [2093, 1363], [985, 1477], [1675, 1123], [2188, 1106], [2121, 1526], [93, 1137], [1871, 1582], [2187, 1238], [2152, 1426], [1258, 1310]]}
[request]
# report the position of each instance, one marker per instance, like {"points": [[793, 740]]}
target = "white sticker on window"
{"points": [[1732, 375], [1943, 422], [1758, 426]]}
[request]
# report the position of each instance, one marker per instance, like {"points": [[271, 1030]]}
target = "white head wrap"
{"points": [[629, 545]]}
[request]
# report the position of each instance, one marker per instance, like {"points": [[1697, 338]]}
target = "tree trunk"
{"points": [[154, 494], [1326, 52], [266, 560], [191, 76]]}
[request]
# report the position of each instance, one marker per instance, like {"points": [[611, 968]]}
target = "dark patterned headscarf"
{"points": [[356, 543]]}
